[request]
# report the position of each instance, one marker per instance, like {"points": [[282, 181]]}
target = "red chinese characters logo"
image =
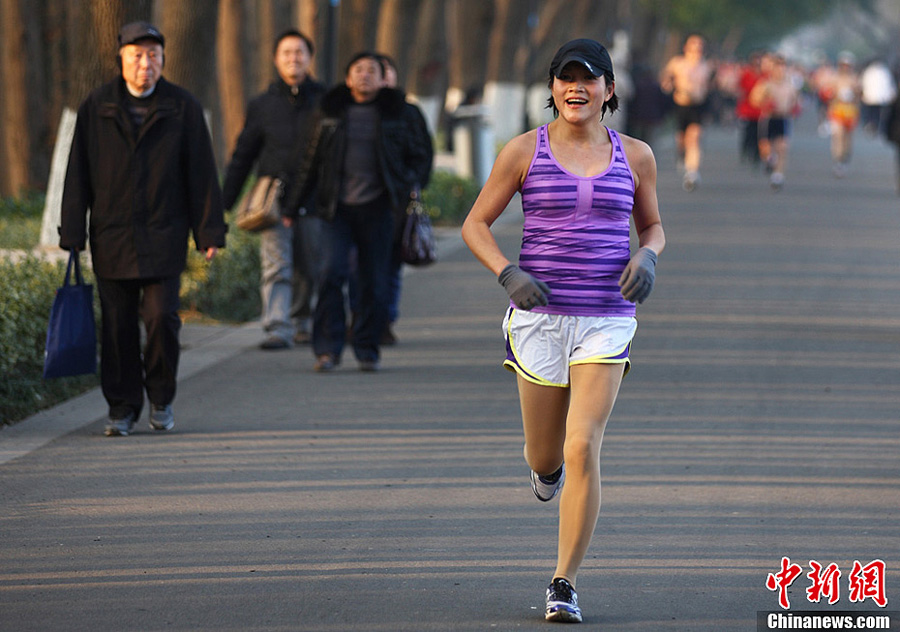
{"points": [[824, 583], [781, 580], [865, 582]]}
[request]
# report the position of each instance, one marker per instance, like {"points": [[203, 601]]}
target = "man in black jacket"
{"points": [[277, 129], [142, 162], [365, 158]]}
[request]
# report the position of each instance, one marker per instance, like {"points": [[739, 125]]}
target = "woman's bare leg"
{"points": [[594, 388], [544, 410]]}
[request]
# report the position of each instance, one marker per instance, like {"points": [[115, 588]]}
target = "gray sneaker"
{"points": [[161, 417], [120, 427], [274, 343], [369, 366], [546, 487]]}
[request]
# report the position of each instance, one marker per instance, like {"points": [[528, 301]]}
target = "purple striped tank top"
{"points": [[576, 233]]}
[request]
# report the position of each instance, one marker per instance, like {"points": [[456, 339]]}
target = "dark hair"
{"points": [[294, 33], [386, 62], [612, 104], [366, 54]]}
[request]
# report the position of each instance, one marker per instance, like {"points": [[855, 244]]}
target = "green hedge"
{"points": [[226, 289], [26, 294], [448, 198], [20, 221]]}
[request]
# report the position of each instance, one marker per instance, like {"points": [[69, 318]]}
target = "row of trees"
{"points": [[53, 52]]}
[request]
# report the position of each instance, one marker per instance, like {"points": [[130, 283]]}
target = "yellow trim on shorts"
{"points": [[510, 366], [609, 359], [517, 368]]}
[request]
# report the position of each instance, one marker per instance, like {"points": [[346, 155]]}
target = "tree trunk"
{"points": [[134, 10], [307, 17], [547, 36], [16, 144], [230, 73], [505, 86], [39, 132], [427, 78], [55, 63], [190, 45], [310, 18], [273, 17], [282, 18], [469, 27], [396, 34], [266, 36], [93, 45], [190, 59], [355, 30], [428, 61], [583, 12], [509, 34], [107, 17], [647, 35]]}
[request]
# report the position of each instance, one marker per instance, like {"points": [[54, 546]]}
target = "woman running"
{"points": [[572, 312]]}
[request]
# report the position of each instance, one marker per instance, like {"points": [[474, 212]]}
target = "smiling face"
{"points": [[580, 95], [292, 60]]}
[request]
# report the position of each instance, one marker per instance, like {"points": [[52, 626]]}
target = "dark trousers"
{"points": [[395, 285], [307, 269], [124, 373], [369, 228], [750, 141]]}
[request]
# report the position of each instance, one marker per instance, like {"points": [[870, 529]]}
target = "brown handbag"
{"points": [[260, 208]]}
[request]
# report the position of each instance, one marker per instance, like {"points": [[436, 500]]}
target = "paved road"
{"points": [[760, 421]]}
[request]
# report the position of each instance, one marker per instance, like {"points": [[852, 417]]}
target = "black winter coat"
{"points": [[275, 135], [404, 149], [146, 191]]}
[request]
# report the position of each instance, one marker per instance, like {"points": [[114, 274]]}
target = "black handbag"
{"points": [[260, 208], [71, 347], [417, 244]]}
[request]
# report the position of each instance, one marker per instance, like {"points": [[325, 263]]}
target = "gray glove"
{"points": [[637, 277], [525, 291]]}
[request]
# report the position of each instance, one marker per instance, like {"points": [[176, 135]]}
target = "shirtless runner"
{"points": [[777, 98], [687, 77]]}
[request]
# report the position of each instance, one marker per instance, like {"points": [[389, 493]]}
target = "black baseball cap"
{"points": [[136, 31], [587, 52]]}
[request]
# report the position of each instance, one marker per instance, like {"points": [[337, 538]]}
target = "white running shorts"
{"points": [[542, 347]]}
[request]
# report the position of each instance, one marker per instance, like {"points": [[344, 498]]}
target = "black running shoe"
{"points": [[562, 602]]}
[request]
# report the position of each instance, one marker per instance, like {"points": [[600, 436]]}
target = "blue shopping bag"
{"points": [[71, 347]]}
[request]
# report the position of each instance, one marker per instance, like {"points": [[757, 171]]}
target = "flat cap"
{"points": [[136, 31]]}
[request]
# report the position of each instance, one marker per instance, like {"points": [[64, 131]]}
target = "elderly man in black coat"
{"points": [[142, 163]]}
